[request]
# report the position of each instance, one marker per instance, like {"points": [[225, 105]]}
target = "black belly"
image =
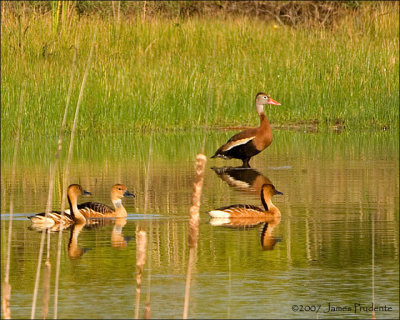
{"points": [[243, 151]]}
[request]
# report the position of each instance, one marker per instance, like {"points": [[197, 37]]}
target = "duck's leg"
{"points": [[246, 163]]}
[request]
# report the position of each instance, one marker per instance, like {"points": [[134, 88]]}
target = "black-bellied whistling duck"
{"points": [[100, 210], [249, 142], [247, 210], [69, 217]]}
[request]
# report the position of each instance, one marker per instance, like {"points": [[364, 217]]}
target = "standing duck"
{"points": [[250, 211], [69, 217], [249, 142], [100, 210]]}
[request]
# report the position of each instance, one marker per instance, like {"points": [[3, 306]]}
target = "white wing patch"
{"points": [[219, 214], [237, 143]]}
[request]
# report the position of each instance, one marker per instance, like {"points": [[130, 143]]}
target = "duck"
{"points": [[250, 211], [246, 144], [100, 210], [69, 217]]}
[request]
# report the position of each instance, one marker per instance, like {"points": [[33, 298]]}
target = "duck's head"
{"points": [[118, 191], [75, 190], [269, 190], [263, 99]]}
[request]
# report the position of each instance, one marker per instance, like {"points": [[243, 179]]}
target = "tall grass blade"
{"points": [[6, 287], [60, 139], [66, 169]]}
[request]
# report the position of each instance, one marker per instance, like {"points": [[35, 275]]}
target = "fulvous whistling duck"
{"points": [[249, 142], [247, 210], [99, 210], [69, 217]]}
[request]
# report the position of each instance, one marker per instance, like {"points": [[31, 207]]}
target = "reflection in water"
{"points": [[74, 251], [117, 237], [244, 179], [267, 240]]}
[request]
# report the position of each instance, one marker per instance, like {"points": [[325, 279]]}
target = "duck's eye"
{"points": [[119, 188], [265, 97]]}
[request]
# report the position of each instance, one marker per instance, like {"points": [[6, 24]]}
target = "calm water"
{"points": [[337, 241]]}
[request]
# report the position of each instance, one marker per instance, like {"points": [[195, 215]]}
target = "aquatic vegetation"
{"points": [[179, 74]]}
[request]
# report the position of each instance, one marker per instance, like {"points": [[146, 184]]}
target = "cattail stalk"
{"points": [[194, 225], [6, 287], [66, 174], [140, 261], [71, 80], [69, 157]]}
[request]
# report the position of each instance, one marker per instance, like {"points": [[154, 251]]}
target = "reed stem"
{"points": [[194, 225], [140, 261], [6, 287], [60, 139], [66, 169]]}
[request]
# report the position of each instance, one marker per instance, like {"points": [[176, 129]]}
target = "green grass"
{"points": [[180, 74]]}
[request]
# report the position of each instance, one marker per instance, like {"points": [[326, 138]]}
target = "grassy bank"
{"points": [[185, 73]]}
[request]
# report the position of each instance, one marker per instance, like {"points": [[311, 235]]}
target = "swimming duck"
{"points": [[70, 216], [247, 210], [249, 142], [100, 210]]}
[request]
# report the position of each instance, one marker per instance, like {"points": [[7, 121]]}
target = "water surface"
{"points": [[337, 241]]}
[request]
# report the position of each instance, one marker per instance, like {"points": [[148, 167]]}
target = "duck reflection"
{"points": [[267, 240], [118, 240], [74, 251], [248, 216], [244, 179]]}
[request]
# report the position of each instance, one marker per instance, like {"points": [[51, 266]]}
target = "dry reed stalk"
{"points": [[60, 139], [6, 287], [66, 174], [194, 225], [140, 261], [67, 165], [46, 288], [146, 188]]}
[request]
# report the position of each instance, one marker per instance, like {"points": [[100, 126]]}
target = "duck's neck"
{"points": [[264, 123], [73, 205], [268, 205], [120, 211]]}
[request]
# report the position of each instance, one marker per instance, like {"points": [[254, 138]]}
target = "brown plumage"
{"points": [[69, 217], [100, 210], [247, 210], [249, 142]]}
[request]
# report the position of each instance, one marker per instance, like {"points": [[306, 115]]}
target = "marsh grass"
{"points": [[163, 73]]}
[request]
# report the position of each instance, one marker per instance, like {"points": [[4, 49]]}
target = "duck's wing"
{"points": [[237, 140], [94, 209], [237, 211], [53, 217]]}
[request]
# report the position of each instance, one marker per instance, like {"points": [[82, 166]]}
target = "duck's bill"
{"points": [[128, 194], [272, 101]]}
